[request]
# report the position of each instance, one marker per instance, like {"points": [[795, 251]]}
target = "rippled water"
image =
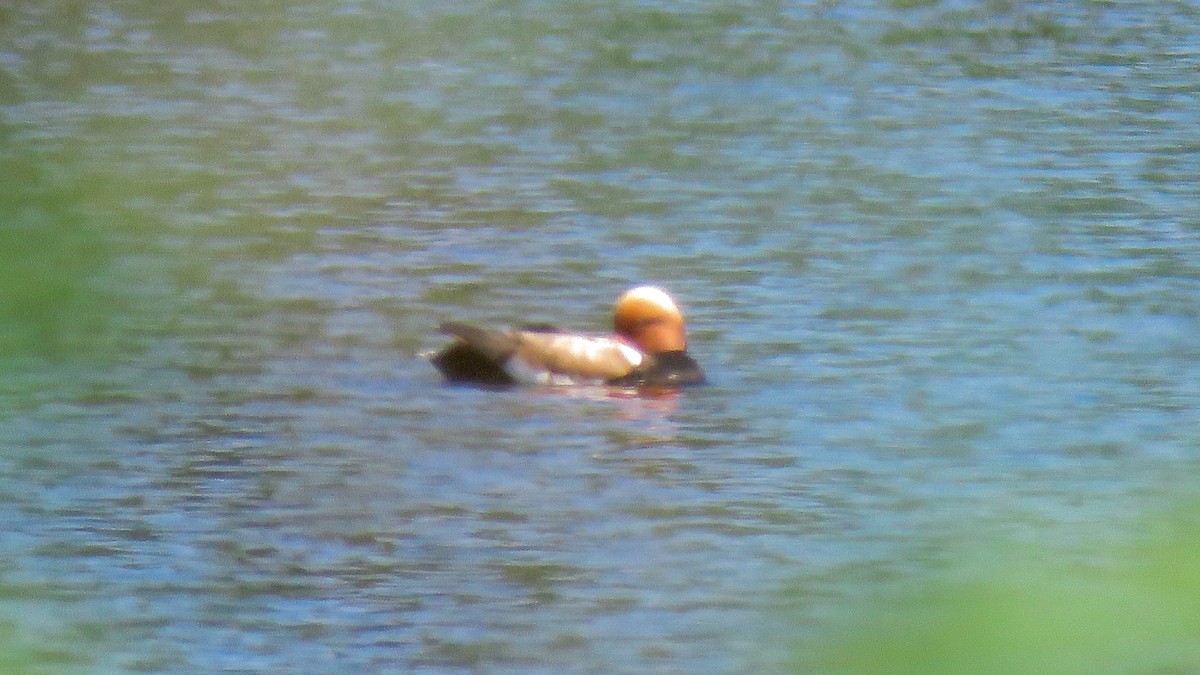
{"points": [[940, 260]]}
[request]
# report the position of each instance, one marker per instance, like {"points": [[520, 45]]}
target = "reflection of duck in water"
{"points": [[648, 348]]}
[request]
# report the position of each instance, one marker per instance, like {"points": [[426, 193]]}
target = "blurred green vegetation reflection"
{"points": [[1132, 606], [86, 278], [51, 258], [39, 641]]}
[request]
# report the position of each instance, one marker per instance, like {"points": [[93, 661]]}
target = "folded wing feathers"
{"points": [[596, 358], [495, 345]]}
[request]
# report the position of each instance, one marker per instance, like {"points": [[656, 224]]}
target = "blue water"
{"points": [[939, 259]]}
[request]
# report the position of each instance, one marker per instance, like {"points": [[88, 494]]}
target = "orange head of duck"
{"points": [[649, 318]]}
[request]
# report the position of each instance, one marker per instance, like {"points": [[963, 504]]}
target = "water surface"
{"points": [[940, 260]]}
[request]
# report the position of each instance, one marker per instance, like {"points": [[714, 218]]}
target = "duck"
{"points": [[647, 348]]}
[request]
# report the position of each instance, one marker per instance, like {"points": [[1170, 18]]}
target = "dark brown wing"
{"points": [[478, 355]]}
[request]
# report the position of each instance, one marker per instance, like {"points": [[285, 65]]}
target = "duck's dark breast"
{"points": [[667, 369]]}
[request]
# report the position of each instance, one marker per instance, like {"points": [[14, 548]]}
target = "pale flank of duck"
{"points": [[563, 358]]}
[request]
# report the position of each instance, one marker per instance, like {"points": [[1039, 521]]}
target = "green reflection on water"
{"points": [[1125, 607], [50, 258], [24, 656], [42, 630], [85, 282]]}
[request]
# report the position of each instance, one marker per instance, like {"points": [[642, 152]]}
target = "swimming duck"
{"points": [[648, 348]]}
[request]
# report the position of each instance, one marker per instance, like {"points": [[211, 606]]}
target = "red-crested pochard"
{"points": [[648, 348]]}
